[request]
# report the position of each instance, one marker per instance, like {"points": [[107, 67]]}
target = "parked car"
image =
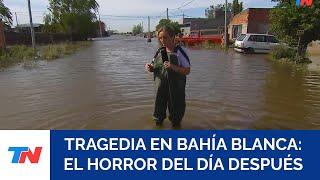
{"points": [[255, 43]]}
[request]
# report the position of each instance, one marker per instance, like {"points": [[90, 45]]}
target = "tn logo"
{"points": [[21, 153], [304, 3]]}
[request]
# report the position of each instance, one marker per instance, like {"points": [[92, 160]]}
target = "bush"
{"points": [[16, 54], [57, 50], [283, 52], [288, 54], [51, 52], [21, 53], [210, 45], [206, 45]]}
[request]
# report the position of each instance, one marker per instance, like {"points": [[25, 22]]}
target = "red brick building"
{"points": [[252, 20]]}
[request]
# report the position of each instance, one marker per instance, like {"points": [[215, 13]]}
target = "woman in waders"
{"points": [[170, 67]]}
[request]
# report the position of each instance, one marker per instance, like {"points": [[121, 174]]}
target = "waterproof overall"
{"points": [[170, 90]]}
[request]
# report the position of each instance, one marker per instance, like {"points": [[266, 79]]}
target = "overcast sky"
{"points": [[153, 8]]}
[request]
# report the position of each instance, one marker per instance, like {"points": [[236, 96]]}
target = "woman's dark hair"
{"points": [[168, 29]]}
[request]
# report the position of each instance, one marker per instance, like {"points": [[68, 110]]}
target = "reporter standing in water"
{"points": [[170, 67]]}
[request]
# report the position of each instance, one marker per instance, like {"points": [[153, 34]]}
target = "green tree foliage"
{"points": [[49, 25], [137, 29], [72, 17], [211, 11], [287, 18], [236, 7], [5, 13], [167, 22]]}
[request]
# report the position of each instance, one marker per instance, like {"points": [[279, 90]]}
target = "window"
{"points": [[257, 38], [241, 37], [272, 39], [236, 30]]}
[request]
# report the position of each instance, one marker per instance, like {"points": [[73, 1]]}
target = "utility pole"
{"points": [[182, 18], [142, 26], [100, 24], [167, 13], [149, 35], [31, 27], [225, 26], [16, 18]]}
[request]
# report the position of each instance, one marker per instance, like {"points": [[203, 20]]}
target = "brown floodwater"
{"points": [[106, 87]]}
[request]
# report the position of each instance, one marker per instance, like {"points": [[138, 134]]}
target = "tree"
{"points": [[72, 16], [49, 25], [287, 18], [137, 29], [5, 14], [236, 7], [209, 12], [167, 22], [215, 11]]}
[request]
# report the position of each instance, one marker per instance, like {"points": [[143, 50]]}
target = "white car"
{"points": [[255, 43]]}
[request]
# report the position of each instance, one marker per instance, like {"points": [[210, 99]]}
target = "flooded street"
{"points": [[106, 87]]}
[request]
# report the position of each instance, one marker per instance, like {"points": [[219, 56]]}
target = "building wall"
{"points": [[217, 31], [258, 21], [240, 19], [186, 31], [244, 28], [254, 20]]}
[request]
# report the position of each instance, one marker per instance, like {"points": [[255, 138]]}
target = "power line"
{"points": [[184, 5], [26, 12], [163, 13], [190, 16], [131, 17], [121, 19], [179, 8], [119, 16]]}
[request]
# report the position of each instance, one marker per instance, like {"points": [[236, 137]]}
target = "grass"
{"points": [[55, 51], [16, 54], [23, 54], [208, 45], [301, 67], [288, 55]]}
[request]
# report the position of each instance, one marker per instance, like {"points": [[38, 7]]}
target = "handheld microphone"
{"points": [[164, 55]]}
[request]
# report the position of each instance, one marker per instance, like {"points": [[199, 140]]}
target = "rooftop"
{"points": [[36, 25]]}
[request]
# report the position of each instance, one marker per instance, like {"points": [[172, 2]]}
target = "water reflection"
{"points": [[291, 99]]}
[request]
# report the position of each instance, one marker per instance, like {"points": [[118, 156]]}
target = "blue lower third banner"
{"points": [[185, 154], [99, 155]]}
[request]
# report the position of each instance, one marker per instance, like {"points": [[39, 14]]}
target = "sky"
{"points": [[122, 15]]}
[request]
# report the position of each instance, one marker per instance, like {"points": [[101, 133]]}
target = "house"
{"points": [[252, 20], [25, 28], [205, 26]]}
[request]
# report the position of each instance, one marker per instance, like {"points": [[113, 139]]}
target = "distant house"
{"points": [[252, 20], [204, 26], [26, 28]]}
